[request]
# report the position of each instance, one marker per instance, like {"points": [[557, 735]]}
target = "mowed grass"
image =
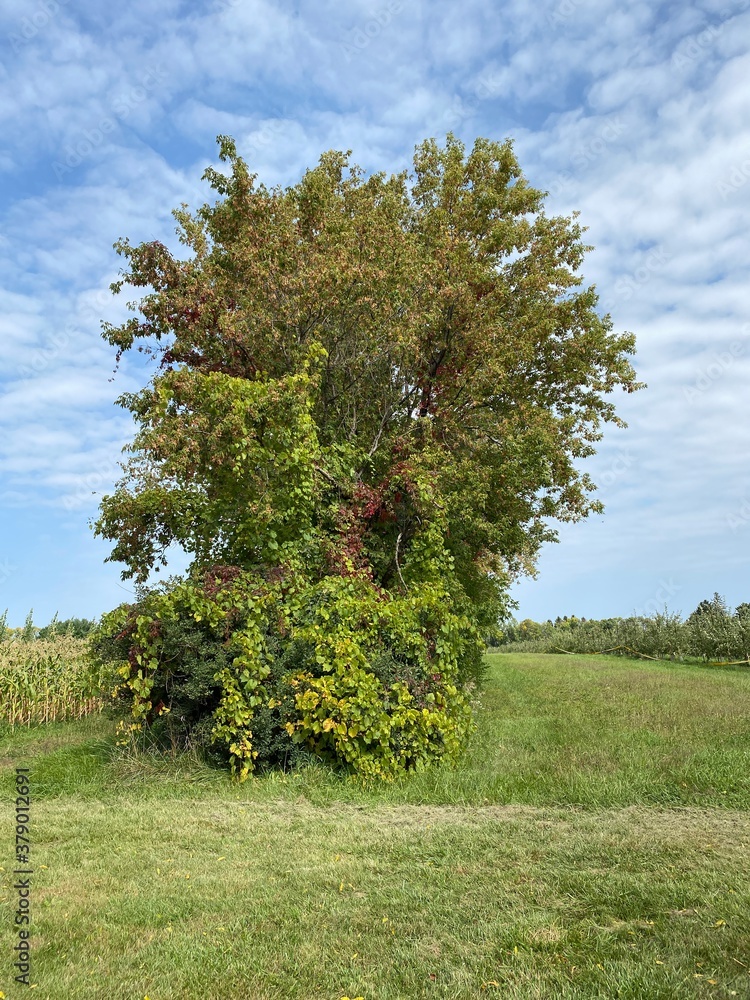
{"points": [[594, 843]]}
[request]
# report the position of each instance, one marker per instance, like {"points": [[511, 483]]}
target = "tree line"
{"points": [[712, 632]]}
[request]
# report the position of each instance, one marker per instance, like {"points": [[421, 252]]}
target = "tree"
{"points": [[377, 383], [711, 629], [77, 627], [716, 607]]}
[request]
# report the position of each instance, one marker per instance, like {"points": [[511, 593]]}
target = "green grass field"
{"points": [[594, 843]]}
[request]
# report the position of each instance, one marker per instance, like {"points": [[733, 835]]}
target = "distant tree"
{"points": [[78, 627], [716, 607], [529, 629], [712, 629]]}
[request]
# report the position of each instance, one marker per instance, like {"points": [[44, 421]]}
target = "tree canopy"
{"points": [[381, 383]]}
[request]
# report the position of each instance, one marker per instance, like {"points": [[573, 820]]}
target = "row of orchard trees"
{"points": [[712, 632]]}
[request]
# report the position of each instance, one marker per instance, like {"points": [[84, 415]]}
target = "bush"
{"points": [[254, 674]]}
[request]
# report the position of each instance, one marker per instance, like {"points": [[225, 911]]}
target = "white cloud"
{"points": [[639, 116]]}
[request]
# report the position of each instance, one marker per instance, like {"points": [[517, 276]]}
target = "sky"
{"points": [[636, 115]]}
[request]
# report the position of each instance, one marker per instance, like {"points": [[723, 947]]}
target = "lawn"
{"points": [[594, 843]]}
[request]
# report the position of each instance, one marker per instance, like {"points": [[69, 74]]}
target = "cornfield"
{"points": [[48, 680]]}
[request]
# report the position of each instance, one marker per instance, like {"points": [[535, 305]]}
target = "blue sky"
{"points": [[637, 115]]}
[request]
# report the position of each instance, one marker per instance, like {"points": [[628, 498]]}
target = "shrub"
{"points": [[253, 673]]}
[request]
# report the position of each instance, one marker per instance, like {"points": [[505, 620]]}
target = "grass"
{"points": [[594, 843]]}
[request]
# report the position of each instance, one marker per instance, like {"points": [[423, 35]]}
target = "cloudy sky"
{"points": [[637, 115]]}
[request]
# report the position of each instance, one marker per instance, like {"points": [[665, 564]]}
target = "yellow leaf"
{"points": [[720, 923]]}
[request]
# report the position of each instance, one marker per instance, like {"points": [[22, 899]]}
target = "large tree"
{"points": [[381, 384]]}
